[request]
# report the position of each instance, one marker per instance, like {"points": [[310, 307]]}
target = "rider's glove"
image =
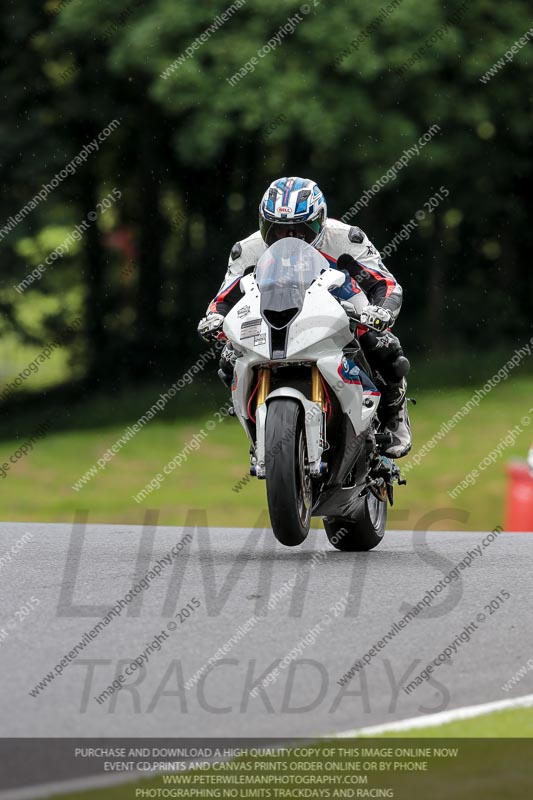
{"points": [[210, 327], [377, 318]]}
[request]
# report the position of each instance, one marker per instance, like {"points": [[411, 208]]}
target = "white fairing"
{"points": [[316, 335]]}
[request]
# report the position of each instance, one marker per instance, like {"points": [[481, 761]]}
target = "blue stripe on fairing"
{"points": [[367, 384]]}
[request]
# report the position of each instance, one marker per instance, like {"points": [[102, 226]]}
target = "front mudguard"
{"points": [[314, 419]]}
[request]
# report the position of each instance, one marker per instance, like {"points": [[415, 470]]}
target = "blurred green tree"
{"points": [[350, 88]]}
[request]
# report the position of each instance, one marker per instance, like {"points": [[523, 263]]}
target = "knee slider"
{"points": [[401, 366], [226, 366], [225, 377]]}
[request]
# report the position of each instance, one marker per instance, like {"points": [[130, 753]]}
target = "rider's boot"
{"points": [[395, 418]]}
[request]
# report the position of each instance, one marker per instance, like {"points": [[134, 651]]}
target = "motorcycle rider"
{"points": [[296, 207]]}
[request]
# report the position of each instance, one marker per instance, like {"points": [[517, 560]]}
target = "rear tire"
{"points": [[288, 484], [364, 531]]}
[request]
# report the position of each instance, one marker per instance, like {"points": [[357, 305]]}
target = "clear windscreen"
{"points": [[284, 273]]}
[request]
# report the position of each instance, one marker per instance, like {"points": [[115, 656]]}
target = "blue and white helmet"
{"points": [[293, 207]]}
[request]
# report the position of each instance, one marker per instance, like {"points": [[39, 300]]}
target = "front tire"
{"points": [[363, 531], [288, 483]]}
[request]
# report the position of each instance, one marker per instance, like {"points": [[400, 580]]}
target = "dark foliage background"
{"points": [[194, 153]]}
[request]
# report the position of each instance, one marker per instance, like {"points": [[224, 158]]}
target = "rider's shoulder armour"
{"points": [[236, 251], [356, 235]]}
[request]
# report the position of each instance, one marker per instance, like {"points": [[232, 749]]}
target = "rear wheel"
{"points": [[288, 483], [363, 531]]}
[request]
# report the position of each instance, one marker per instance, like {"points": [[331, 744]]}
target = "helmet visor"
{"points": [[274, 231]]}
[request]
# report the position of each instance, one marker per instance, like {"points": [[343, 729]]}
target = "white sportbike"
{"points": [[307, 400]]}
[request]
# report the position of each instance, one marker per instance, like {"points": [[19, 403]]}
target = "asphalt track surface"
{"points": [[233, 573]]}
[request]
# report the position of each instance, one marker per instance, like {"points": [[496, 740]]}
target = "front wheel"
{"points": [[288, 483], [363, 531]]}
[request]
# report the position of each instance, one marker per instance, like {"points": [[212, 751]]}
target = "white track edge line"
{"points": [[440, 718]]}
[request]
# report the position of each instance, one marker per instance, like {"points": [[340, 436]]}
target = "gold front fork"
{"points": [[317, 390], [264, 386]]}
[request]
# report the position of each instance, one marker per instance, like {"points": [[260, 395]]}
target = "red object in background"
{"points": [[519, 510], [123, 240]]}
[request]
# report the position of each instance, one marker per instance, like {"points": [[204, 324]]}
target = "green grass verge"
{"points": [[516, 723], [39, 486], [42, 480]]}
